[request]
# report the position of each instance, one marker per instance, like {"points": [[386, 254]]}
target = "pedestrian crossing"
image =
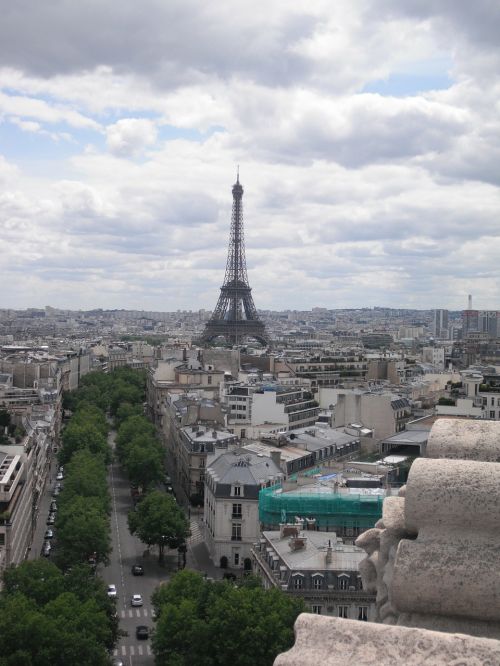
{"points": [[196, 533], [136, 612], [132, 650]]}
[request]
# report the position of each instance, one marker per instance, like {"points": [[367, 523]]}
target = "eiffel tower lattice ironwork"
{"points": [[235, 316]]}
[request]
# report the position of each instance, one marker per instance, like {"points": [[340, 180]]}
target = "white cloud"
{"points": [[130, 136]]}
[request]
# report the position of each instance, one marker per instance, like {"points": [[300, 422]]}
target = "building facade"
{"points": [[231, 511], [317, 567]]}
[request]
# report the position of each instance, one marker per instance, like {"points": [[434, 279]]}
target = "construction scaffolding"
{"points": [[345, 513]]}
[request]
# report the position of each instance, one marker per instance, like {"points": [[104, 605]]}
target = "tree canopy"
{"points": [[244, 625], [51, 619], [158, 520]]}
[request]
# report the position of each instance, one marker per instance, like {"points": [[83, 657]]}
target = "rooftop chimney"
{"points": [[328, 556], [276, 457]]}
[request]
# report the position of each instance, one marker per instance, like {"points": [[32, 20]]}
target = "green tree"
{"points": [[4, 418], [82, 436], [144, 464], [82, 530], [85, 475], [40, 580], [49, 618], [158, 520], [245, 625], [125, 411]]}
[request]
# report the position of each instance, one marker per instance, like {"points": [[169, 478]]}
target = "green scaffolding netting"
{"points": [[330, 510]]}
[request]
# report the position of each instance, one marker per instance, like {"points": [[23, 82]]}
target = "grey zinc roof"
{"points": [[345, 557], [243, 467]]}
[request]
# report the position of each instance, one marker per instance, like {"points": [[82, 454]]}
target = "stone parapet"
{"points": [[338, 642], [434, 557], [465, 439]]}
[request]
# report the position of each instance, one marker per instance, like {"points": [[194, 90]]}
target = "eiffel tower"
{"points": [[235, 316]]}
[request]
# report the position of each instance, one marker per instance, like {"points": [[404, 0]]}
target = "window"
{"points": [[236, 510], [363, 613], [236, 532], [360, 583], [236, 559], [202, 462], [492, 414], [316, 610], [209, 379], [317, 583], [237, 491], [344, 611], [297, 583], [343, 582]]}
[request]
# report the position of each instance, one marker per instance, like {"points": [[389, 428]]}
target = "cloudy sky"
{"points": [[367, 134]]}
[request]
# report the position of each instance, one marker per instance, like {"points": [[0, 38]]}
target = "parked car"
{"points": [[49, 534], [56, 492], [51, 519], [53, 506], [137, 570], [60, 476], [61, 469], [136, 600], [112, 591], [46, 548], [142, 632], [59, 486]]}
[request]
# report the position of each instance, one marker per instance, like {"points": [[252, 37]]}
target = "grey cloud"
{"points": [[173, 42]]}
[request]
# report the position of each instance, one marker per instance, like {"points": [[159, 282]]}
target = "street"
{"points": [[127, 551]]}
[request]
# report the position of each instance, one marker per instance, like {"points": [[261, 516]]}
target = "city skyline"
{"points": [[366, 135]]}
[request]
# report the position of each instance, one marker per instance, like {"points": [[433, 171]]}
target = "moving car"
{"points": [[136, 600], [142, 632], [112, 591], [49, 534], [137, 570]]}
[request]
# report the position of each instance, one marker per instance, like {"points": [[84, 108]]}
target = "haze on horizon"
{"points": [[367, 134]]}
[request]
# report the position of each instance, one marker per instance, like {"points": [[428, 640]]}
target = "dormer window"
{"points": [[237, 491]]}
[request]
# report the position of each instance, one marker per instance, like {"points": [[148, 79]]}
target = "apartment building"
{"points": [[317, 567], [231, 511]]}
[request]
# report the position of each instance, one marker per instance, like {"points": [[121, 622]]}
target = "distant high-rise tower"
{"points": [[440, 327], [469, 302], [235, 316]]}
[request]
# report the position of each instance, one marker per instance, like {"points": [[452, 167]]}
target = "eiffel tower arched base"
{"points": [[235, 332]]}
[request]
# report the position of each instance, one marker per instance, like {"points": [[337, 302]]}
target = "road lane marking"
{"points": [[124, 651], [132, 650], [139, 649]]}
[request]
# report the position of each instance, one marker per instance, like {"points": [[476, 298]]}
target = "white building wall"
{"points": [[265, 409], [221, 522]]}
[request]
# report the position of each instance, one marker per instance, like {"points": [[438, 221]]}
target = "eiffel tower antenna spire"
{"points": [[235, 316]]}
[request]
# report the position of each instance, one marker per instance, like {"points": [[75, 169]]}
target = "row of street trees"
{"points": [[58, 613]]}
